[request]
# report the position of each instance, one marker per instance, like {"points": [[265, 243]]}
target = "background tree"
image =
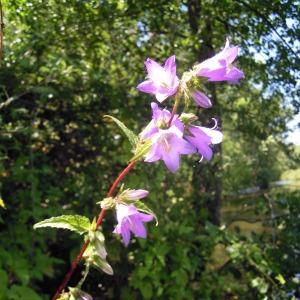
{"points": [[66, 64]]}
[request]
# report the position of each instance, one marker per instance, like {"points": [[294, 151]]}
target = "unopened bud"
{"points": [[188, 118]]}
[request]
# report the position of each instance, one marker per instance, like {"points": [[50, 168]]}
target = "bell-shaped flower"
{"points": [[219, 67], [168, 145], [161, 81], [160, 120], [202, 138], [201, 99], [131, 220]]}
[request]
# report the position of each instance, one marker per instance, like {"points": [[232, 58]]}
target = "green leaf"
{"points": [[132, 137], [17, 292], [2, 204], [77, 223], [281, 279], [144, 208], [3, 283], [141, 150], [146, 290]]}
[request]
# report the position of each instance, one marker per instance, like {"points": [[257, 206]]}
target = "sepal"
{"points": [[142, 149], [188, 118], [95, 254], [75, 294], [107, 203]]}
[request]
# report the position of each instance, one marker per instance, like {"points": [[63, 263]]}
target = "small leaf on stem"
{"points": [[77, 223], [132, 137]]}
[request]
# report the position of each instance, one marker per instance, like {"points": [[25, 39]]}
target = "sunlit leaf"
{"points": [[77, 223], [132, 137]]}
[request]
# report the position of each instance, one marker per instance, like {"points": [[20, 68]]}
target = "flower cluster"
{"points": [[167, 137], [170, 134]]}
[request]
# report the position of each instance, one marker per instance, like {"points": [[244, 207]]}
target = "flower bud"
{"points": [[201, 99], [133, 195], [188, 118]]}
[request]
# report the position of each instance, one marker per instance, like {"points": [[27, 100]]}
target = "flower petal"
{"points": [[170, 65], [172, 160], [160, 97], [215, 135], [234, 75], [153, 68], [146, 217], [154, 154], [125, 232], [137, 227], [147, 87], [136, 194]]}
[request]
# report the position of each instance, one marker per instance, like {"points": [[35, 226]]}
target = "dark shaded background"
{"points": [[66, 64]]}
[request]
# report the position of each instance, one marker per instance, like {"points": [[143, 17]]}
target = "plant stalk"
{"points": [[98, 223]]}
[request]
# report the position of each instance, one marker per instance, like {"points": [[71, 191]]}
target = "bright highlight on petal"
{"points": [[131, 220], [161, 81], [202, 138], [168, 145], [220, 68]]}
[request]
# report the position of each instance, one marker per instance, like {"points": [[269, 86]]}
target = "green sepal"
{"points": [[141, 150], [77, 223], [188, 118], [107, 203], [95, 254], [102, 265], [132, 137], [97, 243], [77, 294], [141, 206], [64, 296]]}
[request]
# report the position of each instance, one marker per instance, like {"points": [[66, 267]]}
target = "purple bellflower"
{"points": [[167, 142], [161, 81], [160, 120], [131, 220], [202, 138], [168, 145], [220, 68]]}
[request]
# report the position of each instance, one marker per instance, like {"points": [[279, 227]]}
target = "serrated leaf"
{"points": [[141, 150], [132, 137], [141, 206], [77, 223]]}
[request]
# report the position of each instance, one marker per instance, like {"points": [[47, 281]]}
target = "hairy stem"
{"points": [[85, 274], [99, 221], [174, 110]]}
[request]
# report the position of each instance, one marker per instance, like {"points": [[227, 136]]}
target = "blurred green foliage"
{"points": [[66, 65]]}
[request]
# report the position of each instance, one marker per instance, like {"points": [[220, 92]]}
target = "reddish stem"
{"points": [[172, 114], [98, 223]]}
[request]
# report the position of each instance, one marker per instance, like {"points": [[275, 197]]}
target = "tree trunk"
{"points": [[207, 179]]}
